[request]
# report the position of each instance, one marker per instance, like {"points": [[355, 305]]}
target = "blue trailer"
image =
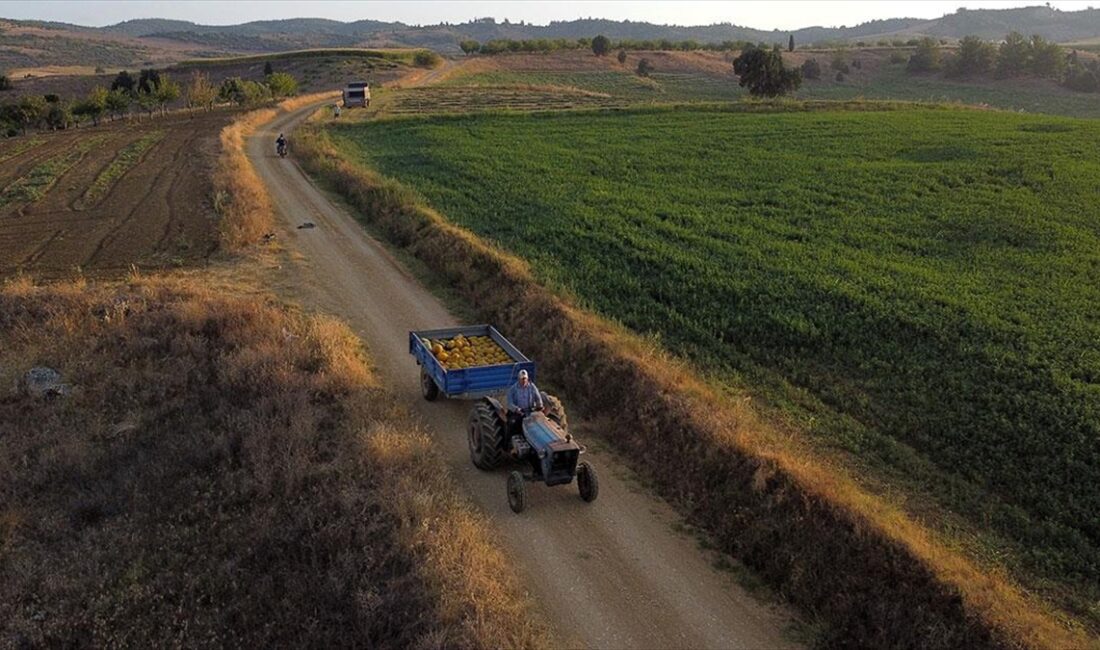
{"points": [[466, 383]]}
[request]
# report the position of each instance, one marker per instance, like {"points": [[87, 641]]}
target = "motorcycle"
{"points": [[280, 148]]}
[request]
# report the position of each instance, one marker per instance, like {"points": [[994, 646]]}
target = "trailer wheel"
{"points": [[587, 482], [428, 387], [485, 435], [555, 410], [517, 492]]}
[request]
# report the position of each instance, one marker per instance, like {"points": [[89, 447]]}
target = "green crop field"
{"points": [[918, 289]]}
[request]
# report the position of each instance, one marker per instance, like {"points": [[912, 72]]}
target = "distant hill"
{"points": [[160, 37]]}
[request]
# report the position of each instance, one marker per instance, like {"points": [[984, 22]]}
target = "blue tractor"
{"points": [[538, 439]]}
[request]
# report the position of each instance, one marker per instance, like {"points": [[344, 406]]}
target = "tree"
{"points": [[1047, 59], [282, 84], [621, 57], [148, 81], [644, 67], [118, 102], [243, 92], [790, 44], [839, 63], [974, 57], [926, 57], [5, 82], [268, 70], [58, 116], [93, 106], [30, 111], [200, 92], [1013, 55], [166, 92], [763, 73], [146, 100], [469, 46], [601, 45], [811, 69], [426, 59], [124, 81]]}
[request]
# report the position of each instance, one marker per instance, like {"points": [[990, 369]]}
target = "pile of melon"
{"points": [[467, 352]]}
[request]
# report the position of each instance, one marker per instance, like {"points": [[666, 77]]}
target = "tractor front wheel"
{"points": [[587, 482], [428, 387], [517, 492], [485, 435]]}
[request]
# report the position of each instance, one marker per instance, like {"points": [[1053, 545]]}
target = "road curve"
{"points": [[611, 574]]}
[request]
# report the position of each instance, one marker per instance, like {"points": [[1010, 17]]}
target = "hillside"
{"points": [[161, 37]]}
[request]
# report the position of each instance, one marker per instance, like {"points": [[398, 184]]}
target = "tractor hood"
{"points": [[557, 454]]}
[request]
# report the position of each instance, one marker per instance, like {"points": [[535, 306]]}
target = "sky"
{"points": [[774, 14]]}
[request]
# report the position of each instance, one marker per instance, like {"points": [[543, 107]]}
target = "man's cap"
{"points": [[523, 374]]}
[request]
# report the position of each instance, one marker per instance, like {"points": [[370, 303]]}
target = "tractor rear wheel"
{"points": [[587, 482], [485, 434], [517, 492], [428, 387], [555, 410]]}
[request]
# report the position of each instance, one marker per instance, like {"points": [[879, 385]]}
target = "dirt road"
{"points": [[612, 574]]}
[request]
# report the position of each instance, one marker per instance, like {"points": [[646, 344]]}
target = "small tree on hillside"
{"points": [[148, 81], [118, 102], [146, 100], [839, 63], [974, 57], [200, 92], [1013, 55], [469, 46], [30, 111], [124, 81], [1047, 59], [763, 73], [58, 116], [644, 67], [268, 70], [790, 44], [926, 57], [282, 84], [621, 57], [166, 92], [94, 106], [811, 69], [5, 82], [601, 45]]}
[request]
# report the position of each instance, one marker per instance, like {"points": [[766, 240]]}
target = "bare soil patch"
{"points": [[158, 212]]}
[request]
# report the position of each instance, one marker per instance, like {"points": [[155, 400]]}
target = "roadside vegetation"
{"points": [[835, 308], [220, 470]]}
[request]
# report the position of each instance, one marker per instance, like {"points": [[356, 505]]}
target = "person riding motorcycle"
{"points": [[280, 145]]}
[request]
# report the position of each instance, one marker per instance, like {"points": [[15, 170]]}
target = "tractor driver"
{"points": [[523, 397]]}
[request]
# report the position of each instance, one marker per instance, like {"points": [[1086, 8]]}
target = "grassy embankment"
{"points": [[858, 299], [225, 472]]}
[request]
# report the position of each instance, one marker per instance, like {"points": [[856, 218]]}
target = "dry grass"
{"points": [[873, 575], [240, 197], [225, 473]]}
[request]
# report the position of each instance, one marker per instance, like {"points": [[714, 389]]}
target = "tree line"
{"points": [[150, 92], [1015, 56]]}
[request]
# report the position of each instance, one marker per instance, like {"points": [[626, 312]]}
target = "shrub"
{"points": [[857, 64], [426, 59], [839, 76], [898, 57], [644, 67], [974, 57], [124, 81], [282, 84], [839, 63], [811, 69], [621, 57], [268, 70], [5, 82], [601, 45], [926, 58], [469, 46]]}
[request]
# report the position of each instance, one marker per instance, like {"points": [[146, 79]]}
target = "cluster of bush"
{"points": [[150, 91], [1016, 56]]}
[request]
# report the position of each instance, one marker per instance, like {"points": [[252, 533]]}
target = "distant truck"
{"points": [[357, 93]]}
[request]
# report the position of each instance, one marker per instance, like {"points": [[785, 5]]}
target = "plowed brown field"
{"points": [[152, 205]]}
